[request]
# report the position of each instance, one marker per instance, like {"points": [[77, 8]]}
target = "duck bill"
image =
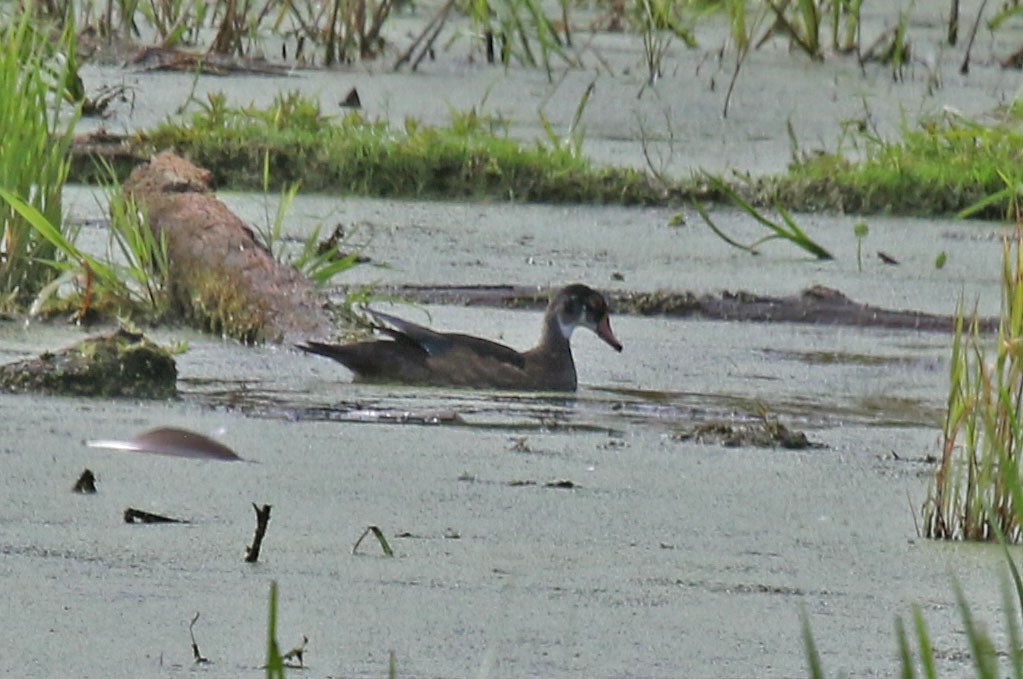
{"points": [[604, 333]]}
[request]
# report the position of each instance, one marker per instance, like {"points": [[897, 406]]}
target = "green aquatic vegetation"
{"points": [[860, 230], [787, 229], [274, 666], [659, 23], [948, 165], [975, 492], [34, 162], [518, 30], [353, 154], [130, 279]]}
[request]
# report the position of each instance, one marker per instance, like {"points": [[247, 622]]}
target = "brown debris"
{"points": [[222, 278], [86, 483], [132, 515], [760, 434], [262, 519], [210, 63], [818, 305]]}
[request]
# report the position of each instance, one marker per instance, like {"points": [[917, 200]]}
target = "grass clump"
{"points": [[518, 30], [34, 160], [949, 165], [38, 255], [293, 140], [976, 490]]}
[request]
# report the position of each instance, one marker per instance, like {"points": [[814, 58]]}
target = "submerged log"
{"points": [[817, 305], [222, 278]]}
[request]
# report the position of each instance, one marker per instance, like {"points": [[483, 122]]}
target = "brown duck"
{"points": [[418, 355]]}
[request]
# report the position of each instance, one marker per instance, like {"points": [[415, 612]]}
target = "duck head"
{"points": [[581, 306]]}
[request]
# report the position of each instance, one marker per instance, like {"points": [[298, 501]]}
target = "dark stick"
{"points": [[953, 23], [262, 519], [195, 647], [965, 68], [132, 515]]}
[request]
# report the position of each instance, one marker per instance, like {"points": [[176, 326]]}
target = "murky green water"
{"points": [[535, 536]]}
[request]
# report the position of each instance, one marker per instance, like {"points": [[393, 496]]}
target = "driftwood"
{"points": [[222, 278]]}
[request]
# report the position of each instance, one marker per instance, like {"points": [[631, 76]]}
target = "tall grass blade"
{"points": [[790, 231], [35, 74], [718, 232], [53, 235], [274, 661], [905, 652], [976, 491], [923, 640], [813, 658], [981, 648]]}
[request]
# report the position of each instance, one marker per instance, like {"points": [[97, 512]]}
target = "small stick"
{"points": [[195, 647], [262, 519], [132, 515], [965, 67]]}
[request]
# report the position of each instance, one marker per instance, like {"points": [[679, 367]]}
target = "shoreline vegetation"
{"points": [[947, 166]]}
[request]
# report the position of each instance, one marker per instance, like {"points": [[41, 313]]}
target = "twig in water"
{"points": [[262, 519], [296, 653], [429, 34], [199, 659], [965, 67]]}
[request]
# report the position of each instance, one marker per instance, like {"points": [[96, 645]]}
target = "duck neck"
{"points": [[555, 339]]}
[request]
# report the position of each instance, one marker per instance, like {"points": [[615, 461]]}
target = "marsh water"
{"points": [[534, 535]]}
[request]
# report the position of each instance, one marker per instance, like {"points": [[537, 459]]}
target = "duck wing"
{"points": [[436, 344]]}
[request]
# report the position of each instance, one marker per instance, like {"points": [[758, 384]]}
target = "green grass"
{"points": [[34, 161], [787, 229], [274, 662], [975, 494], [947, 165]]}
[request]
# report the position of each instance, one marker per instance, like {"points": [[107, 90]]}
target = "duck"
{"points": [[417, 355]]}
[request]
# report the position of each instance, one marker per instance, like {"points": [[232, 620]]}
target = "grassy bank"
{"points": [[945, 166], [292, 140], [949, 165]]}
